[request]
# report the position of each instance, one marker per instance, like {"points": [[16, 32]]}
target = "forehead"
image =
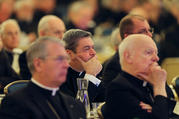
{"points": [[11, 27], [140, 24], [56, 24], [86, 41], [145, 44]]}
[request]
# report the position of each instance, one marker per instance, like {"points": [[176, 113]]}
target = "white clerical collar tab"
{"points": [[54, 90]]}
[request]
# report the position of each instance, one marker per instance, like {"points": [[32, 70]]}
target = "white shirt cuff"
{"points": [[93, 79]]}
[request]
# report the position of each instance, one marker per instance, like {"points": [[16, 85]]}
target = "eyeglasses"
{"points": [[59, 58], [143, 31]]}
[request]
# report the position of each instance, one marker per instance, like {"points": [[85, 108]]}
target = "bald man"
{"points": [[49, 25], [139, 91]]}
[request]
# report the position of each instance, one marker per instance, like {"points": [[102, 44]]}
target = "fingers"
{"points": [[146, 107]]}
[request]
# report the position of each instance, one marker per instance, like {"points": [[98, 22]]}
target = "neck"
{"points": [[131, 72], [44, 82]]}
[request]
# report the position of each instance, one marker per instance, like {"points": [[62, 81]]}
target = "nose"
{"points": [[92, 52], [155, 58]]}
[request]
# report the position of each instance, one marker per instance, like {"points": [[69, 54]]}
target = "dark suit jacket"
{"points": [[7, 74], [124, 95], [31, 103], [24, 70], [111, 69], [96, 93]]}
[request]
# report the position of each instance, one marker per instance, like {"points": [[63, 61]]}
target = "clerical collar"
{"points": [[54, 90], [144, 84], [80, 73], [135, 79]]}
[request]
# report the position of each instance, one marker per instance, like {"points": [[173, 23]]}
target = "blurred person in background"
{"points": [[49, 25], [110, 12], [6, 9], [169, 44], [80, 16], [45, 7], [157, 15], [112, 61], [7, 74], [24, 13], [10, 34]]}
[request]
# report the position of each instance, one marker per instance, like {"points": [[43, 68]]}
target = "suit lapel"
{"points": [[139, 92]]}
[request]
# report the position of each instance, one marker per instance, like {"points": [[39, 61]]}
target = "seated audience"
{"points": [[139, 91], [41, 98]]}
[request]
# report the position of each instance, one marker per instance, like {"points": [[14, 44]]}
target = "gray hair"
{"points": [[38, 49], [9, 21], [72, 37]]}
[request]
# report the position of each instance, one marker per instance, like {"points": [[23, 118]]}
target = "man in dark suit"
{"points": [[83, 63], [49, 25], [41, 98], [130, 24], [139, 91], [10, 34], [7, 74]]}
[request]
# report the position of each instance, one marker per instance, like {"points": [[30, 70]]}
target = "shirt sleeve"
{"points": [[93, 79]]}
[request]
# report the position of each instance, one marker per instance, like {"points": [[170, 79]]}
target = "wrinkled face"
{"points": [[10, 37], [84, 50], [54, 66], [144, 55], [56, 28]]}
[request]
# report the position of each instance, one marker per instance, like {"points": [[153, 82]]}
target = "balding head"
{"points": [[51, 25], [137, 52]]}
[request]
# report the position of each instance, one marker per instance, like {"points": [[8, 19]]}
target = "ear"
{"points": [[125, 35], [70, 53], [38, 64], [41, 33], [128, 57]]}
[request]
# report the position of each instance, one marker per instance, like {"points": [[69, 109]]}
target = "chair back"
{"points": [[15, 85], [171, 65]]}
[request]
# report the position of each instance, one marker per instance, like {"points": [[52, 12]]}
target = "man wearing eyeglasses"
{"points": [[130, 24], [41, 98]]}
